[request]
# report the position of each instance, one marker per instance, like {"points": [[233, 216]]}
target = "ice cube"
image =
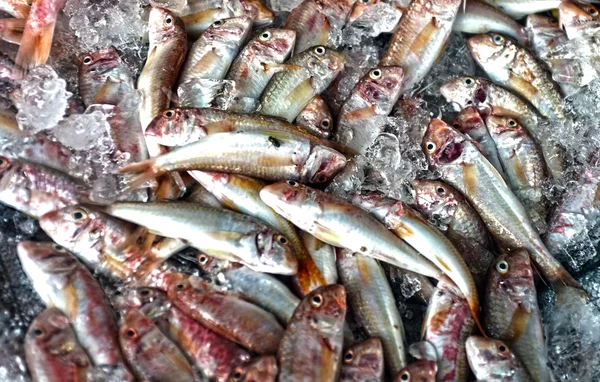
{"points": [[82, 131], [375, 19]]}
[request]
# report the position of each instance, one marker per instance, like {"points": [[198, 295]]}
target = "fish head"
{"points": [[261, 14], [211, 265], [574, 17], [172, 127], [279, 42], [375, 203], [275, 252], [232, 31], [7, 170], [41, 261], [366, 355], [289, 198], [539, 23], [322, 164], [511, 276], [163, 26], [182, 286], [468, 119], [465, 91], [327, 59], [493, 52], [489, 358], [423, 370], [134, 327], [139, 298], [442, 144], [261, 368], [324, 308], [436, 199], [498, 125], [99, 62], [381, 84]]}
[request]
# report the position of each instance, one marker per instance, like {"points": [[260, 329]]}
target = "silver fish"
{"points": [[492, 360]]}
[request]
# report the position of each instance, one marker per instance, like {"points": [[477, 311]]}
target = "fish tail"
{"points": [[136, 174], [563, 278], [35, 46]]}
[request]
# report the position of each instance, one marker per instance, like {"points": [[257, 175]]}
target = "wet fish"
{"points": [[152, 356], [39, 32], [316, 118], [257, 62], [364, 113], [63, 282], [464, 167], [16, 8], [511, 312], [419, 371], [11, 30], [323, 256], [575, 18], [303, 76], [373, 305], [226, 314], [262, 15], [520, 8], [263, 368], [363, 362], [492, 360], [52, 351], [341, 224], [311, 347], [420, 38]]}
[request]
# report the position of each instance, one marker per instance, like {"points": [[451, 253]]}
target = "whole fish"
{"points": [[363, 362], [226, 314], [420, 38], [574, 18], [11, 30], [516, 68], [217, 232], [464, 167], [447, 325], [518, 9], [52, 351], [269, 155], [316, 118], [408, 224], [39, 32], [524, 166], [492, 360], [373, 305], [262, 368], [511, 312], [303, 76], [212, 54], [323, 256], [63, 282], [152, 356], [419, 371], [16, 8], [319, 22], [341, 224], [257, 62], [364, 113], [34, 189], [311, 347]]}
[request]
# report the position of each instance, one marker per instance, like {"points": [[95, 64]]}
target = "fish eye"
{"points": [[130, 333], [87, 60], [349, 356], [502, 267], [502, 349], [512, 123], [292, 183], [180, 286], [375, 74], [497, 39], [237, 375], [145, 292], [592, 11], [202, 259], [4, 163], [319, 50], [456, 125], [321, 178], [440, 190], [430, 147], [169, 113], [405, 376], [58, 247], [365, 1], [316, 300], [168, 21], [469, 81], [38, 332], [325, 123], [218, 23], [79, 214], [265, 36], [282, 240]]}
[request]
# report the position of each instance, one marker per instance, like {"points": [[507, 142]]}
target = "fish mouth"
{"points": [[450, 152]]}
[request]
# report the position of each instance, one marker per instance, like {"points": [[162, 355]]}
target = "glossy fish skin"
{"points": [[52, 351], [311, 347], [420, 38], [256, 64], [372, 302], [217, 232], [226, 314], [341, 224], [16, 8], [363, 114], [479, 17], [323, 256], [418, 371], [518, 9], [511, 311], [262, 368], [304, 76], [63, 282], [492, 360], [212, 54], [465, 168], [575, 18], [11, 30], [316, 118], [363, 362], [514, 67], [447, 325], [34, 189]]}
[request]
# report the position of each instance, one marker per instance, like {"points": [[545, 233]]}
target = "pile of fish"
{"points": [[232, 151]]}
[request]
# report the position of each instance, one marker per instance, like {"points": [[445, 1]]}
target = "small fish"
{"points": [[226, 314], [492, 360], [16, 8], [262, 368], [37, 37], [511, 311], [52, 351], [363, 362], [311, 347], [364, 113], [305, 75], [323, 256], [418, 371], [574, 18], [316, 118], [11, 30], [518, 9], [152, 356]]}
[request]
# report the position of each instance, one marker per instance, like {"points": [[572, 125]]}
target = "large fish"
{"points": [[316, 118], [492, 360], [363, 362]]}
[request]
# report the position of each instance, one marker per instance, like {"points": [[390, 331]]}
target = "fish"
{"points": [[574, 18], [511, 311], [37, 36], [447, 325], [464, 167], [11, 30], [52, 352], [524, 166], [9, 127], [35, 189], [374, 308], [213, 53], [478, 17], [363, 362], [63, 282], [316, 118], [256, 64], [512, 66], [151, 302], [262, 15], [152, 356], [323, 256], [217, 232], [269, 155], [492, 360], [418, 371], [409, 225], [363, 115], [341, 224], [16, 8], [305, 75], [228, 315], [517, 9], [262, 368], [318, 22], [420, 38], [311, 347]]}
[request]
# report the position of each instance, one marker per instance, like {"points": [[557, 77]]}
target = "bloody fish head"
{"points": [[468, 119], [490, 357], [464, 91], [442, 144], [261, 368], [419, 371], [511, 273], [99, 62], [323, 164], [51, 331], [172, 127], [280, 41], [382, 83], [498, 125], [436, 198], [324, 307], [135, 325], [164, 25], [275, 251]]}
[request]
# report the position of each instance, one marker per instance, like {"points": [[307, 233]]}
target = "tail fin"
{"points": [[35, 46], [139, 173]]}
